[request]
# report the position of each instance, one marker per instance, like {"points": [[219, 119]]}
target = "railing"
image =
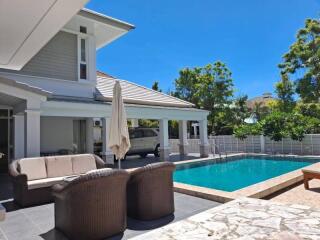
{"points": [[310, 145]]}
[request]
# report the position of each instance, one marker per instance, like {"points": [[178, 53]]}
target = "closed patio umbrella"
{"points": [[119, 141]]}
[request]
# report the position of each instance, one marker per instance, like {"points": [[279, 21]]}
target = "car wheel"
{"points": [[157, 151], [143, 155]]}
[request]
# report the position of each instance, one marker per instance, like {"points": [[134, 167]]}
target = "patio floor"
{"points": [[37, 223]]}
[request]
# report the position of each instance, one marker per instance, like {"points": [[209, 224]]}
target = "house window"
{"points": [[83, 58], [83, 29]]}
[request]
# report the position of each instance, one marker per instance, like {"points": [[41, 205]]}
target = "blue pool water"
{"points": [[233, 174]]}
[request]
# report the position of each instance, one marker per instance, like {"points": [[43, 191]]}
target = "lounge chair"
{"points": [[309, 174], [92, 206], [150, 191], [33, 178]]}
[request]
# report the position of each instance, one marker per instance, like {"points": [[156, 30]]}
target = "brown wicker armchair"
{"points": [[150, 191], [28, 191], [93, 206]]}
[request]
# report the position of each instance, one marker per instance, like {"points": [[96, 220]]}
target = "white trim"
{"points": [[98, 110], [46, 78]]}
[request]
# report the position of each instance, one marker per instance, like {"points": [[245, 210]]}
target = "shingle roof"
{"points": [[134, 93]]}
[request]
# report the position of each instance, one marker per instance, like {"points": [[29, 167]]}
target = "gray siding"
{"points": [[58, 59]]}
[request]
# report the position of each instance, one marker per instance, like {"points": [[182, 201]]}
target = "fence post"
{"points": [[311, 138], [262, 144]]}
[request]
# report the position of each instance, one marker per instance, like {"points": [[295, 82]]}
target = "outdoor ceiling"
{"points": [[26, 26]]}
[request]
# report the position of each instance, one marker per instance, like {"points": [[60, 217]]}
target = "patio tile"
{"points": [[35, 223]]}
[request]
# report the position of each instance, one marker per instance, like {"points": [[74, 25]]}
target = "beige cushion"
{"points": [[46, 182], [83, 163], [34, 168], [59, 166]]}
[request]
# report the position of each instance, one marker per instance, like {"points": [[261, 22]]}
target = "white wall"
{"points": [[56, 134]]}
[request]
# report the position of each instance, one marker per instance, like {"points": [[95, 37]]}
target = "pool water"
{"points": [[233, 174]]}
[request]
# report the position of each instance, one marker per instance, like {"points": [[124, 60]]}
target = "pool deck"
{"points": [[245, 219], [299, 195], [259, 190]]}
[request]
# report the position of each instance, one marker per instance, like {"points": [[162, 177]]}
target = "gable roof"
{"points": [[135, 94]]}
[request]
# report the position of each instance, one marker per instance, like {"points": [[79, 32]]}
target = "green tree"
{"points": [[186, 85], [303, 59], [274, 126], [285, 92], [241, 109], [260, 111], [155, 86], [214, 92], [211, 88]]}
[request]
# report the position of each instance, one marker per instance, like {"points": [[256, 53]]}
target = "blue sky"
{"points": [[250, 36]]}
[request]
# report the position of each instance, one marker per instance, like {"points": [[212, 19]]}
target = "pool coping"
{"points": [[258, 190]]}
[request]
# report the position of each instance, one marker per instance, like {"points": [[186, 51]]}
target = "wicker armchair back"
{"points": [[150, 191], [92, 206]]}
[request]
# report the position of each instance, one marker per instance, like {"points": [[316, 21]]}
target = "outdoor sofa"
{"points": [[150, 191], [92, 206], [33, 178]]}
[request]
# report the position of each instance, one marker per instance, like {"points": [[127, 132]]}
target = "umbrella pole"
{"points": [[119, 163]]}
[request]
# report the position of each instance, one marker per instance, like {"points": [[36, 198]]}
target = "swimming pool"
{"points": [[232, 174]]}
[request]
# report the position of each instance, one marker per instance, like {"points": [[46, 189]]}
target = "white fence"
{"points": [[310, 145]]}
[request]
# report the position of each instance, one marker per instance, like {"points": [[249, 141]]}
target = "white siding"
{"points": [[57, 59]]}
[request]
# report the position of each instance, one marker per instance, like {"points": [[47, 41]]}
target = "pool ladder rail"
{"points": [[215, 148]]}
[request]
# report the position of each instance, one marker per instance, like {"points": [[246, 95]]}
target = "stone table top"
{"points": [[245, 219]]}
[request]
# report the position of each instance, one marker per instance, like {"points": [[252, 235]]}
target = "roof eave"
{"points": [[87, 13]]}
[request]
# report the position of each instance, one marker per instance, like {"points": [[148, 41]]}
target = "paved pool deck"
{"points": [[245, 219], [299, 195]]}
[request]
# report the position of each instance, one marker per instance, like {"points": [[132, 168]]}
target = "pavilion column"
{"points": [[32, 132], [18, 136], [183, 137], [107, 154], [164, 140], [135, 123], [204, 143], [89, 135]]}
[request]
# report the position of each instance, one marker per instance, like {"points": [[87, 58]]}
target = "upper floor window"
{"points": [[83, 58]]}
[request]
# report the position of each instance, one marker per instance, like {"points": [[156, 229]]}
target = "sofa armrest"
{"points": [[99, 162], [16, 175]]}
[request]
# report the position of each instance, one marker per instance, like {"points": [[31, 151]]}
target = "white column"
{"points": [[135, 123], [183, 137], [32, 133], [107, 154], [89, 135], [164, 140], [18, 136], [204, 144]]}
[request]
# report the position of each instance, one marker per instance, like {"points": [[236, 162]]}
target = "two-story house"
{"points": [[50, 92]]}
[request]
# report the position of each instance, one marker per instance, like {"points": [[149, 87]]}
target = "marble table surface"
{"points": [[245, 219]]}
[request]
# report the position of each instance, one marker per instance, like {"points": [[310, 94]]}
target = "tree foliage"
{"points": [[155, 86], [285, 93], [210, 88], [302, 61]]}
